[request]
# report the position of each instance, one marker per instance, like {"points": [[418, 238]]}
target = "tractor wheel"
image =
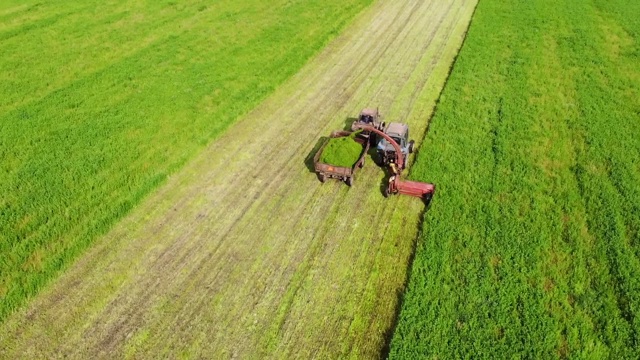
{"points": [[386, 191], [411, 146], [382, 161], [427, 199], [323, 178], [350, 180]]}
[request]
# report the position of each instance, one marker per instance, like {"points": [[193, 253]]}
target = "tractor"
{"points": [[368, 117], [387, 152], [396, 164]]}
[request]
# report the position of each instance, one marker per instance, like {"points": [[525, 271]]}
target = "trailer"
{"points": [[346, 174]]}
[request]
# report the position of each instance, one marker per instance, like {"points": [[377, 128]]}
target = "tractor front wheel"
{"points": [[322, 177], [350, 180]]}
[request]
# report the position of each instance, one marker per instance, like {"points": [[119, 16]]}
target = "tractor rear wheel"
{"points": [[382, 160]]}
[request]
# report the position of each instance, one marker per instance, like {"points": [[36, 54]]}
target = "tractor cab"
{"points": [[368, 117], [399, 133]]}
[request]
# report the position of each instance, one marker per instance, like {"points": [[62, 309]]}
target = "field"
{"points": [[101, 101], [530, 248], [242, 252]]}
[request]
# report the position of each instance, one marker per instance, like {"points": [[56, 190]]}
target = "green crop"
{"points": [[531, 246], [341, 151], [101, 101]]}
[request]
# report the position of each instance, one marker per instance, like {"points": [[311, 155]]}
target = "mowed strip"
{"points": [[244, 252]]}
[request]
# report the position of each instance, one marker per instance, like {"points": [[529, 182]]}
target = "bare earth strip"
{"points": [[244, 253]]}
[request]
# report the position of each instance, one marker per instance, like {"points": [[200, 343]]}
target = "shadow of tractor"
{"points": [[308, 160]]}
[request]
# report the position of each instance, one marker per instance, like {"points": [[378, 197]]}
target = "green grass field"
{"points": [[101, 101], [531, 246], [254, 257]]}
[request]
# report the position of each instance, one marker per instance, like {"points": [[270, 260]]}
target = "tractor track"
{"points": [[244, 253]]}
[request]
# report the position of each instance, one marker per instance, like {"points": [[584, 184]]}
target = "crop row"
{"points": [[531, 246]]}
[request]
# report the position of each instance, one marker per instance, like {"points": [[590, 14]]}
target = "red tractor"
{"points": [[368, 117]]}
